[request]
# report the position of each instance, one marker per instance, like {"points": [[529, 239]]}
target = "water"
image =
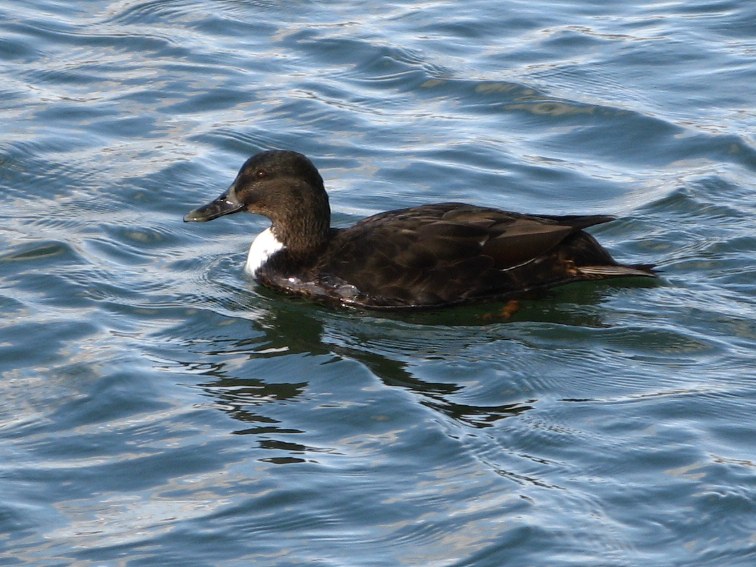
{"points": [[157, 408]]}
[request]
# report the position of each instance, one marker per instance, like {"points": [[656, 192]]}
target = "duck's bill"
{"points": [[223, 205]]}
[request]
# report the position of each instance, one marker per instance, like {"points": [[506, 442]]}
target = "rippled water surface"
{"points": [[156, 407]]}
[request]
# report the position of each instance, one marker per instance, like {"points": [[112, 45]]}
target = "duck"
{"points": [[427, 256]]}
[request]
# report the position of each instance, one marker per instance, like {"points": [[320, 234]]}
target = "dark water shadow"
{"points": [[390, 346]]}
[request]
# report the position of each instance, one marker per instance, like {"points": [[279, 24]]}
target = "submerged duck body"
{"points": [[426, 256]]}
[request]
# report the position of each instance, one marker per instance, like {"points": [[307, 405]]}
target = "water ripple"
{"points": [[156, 403]]}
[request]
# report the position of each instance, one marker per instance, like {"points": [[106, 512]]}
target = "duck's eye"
{"points": [[261, 174]]}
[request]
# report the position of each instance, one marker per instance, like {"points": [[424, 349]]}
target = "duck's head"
{"points": [[282, 185]]}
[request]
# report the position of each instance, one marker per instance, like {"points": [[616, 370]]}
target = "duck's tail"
{"points": [[618, 271]]}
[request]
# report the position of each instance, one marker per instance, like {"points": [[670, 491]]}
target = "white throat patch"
{"points": [[263, 247]]}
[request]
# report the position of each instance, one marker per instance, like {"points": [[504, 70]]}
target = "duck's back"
{"points": [[452, 253]]}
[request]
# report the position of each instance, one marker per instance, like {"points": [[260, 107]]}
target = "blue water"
{"points": [[158, 408]]}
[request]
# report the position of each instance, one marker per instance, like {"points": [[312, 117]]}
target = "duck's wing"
{"points": [[454, 231]]}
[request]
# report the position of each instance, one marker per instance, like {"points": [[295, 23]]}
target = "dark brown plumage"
{"points": [[427, 256]]}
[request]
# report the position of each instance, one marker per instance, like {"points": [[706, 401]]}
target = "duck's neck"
{"points": [[306, 228]]}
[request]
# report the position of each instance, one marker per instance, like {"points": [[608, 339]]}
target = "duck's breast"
{"points": [[263, 247]]}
